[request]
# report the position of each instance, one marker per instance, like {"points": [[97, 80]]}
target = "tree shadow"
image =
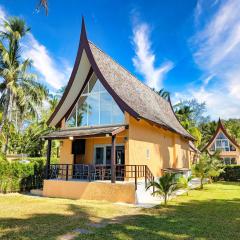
{"points": [[209, 219], [44, 226], [213, 219]]}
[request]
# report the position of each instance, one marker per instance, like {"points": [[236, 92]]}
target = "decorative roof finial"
{"points": [[83, 31]]}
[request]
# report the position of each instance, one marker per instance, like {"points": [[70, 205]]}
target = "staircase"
{"points": [[145, 198]]}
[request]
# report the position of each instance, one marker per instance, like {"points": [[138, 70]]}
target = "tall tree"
{"points": [[44, 4], [20, 92]]}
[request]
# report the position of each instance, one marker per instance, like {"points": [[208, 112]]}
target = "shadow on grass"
{"points": [[212, 219], [44, 226]]}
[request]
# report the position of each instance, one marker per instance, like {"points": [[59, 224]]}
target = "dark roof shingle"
{"points": [[141, 98]]}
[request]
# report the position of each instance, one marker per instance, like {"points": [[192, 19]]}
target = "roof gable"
{"points": [[221, 128], [130, 94]]}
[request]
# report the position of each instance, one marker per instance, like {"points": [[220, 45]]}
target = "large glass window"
{"points": [[222, 143], [95, 107]]}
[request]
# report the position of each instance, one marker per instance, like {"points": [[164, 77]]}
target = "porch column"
{"points": [[49, 148], [113, 159]]}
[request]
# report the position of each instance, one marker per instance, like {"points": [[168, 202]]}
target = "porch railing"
{"points": [[92, 172]]}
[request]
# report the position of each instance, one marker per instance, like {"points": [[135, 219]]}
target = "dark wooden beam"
{"points": [[49, 149], [113, 159]]}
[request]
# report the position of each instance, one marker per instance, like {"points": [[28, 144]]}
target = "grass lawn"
{"points": [[213, 213]]}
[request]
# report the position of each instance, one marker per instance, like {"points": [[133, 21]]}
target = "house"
{"points": [[114, 132], [227, 146]]}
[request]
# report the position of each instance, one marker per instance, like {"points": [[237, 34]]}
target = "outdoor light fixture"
{"points": [[71, 138]]}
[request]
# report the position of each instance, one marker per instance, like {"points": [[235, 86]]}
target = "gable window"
{"points": [[95, 107], [222, 143]]}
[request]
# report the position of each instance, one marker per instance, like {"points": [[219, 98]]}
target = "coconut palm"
{"points": [[164, 94], [20, 93], [165, 186], [44, 4]]}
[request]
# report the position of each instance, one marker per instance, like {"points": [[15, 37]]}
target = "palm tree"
{"points": [[165, 186], [44, 4], [207, 167], [164, 94], [20, 93]]}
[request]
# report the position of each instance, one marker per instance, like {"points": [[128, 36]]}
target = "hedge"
{"points": [[231, 173], [19, 177]]}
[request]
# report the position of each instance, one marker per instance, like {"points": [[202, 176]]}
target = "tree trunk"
{"points": [[201, 183], [165, 199], [7, 115]]}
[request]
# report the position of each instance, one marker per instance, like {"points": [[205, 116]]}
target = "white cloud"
{"points": [[53, 72], [54, 75], [216, 52], [145, 58]]}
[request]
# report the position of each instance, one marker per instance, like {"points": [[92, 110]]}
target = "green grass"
{"points": [[212, 213]]}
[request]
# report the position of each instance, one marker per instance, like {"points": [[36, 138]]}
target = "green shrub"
{"points": [[231, 173], [17, 176]]}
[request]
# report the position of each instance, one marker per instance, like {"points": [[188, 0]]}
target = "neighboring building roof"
{"points": [[130, 94], [193, 147], [85, 132], [221, 127]]}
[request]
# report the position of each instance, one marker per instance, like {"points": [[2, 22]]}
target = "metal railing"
{"points": [[90, 172]]}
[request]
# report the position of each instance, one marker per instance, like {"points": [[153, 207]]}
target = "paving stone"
{"points": [[82, 231], [97, 225]]}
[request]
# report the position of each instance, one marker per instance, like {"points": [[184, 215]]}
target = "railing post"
{"points": [[67, 172], [135, 175], [145, 170]]}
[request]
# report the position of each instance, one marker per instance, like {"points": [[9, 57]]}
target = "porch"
{"points": [[100, 173]]}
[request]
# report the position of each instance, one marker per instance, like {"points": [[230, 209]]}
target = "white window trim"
{"points": [[104, 151]]}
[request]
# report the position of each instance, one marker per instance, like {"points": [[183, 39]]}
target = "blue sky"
{"points": [[191, 48]]}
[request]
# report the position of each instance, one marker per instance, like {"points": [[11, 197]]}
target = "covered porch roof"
{"points": [[84, 132]]}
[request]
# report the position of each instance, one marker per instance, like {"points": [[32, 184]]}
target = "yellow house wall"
{"points": [[66, 156], [116, 192], [166, 148], [66, 148]]}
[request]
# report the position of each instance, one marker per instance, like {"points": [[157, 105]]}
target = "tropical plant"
{"points": [[165, 186], [183, 182], [21, 94], [207, 167]]}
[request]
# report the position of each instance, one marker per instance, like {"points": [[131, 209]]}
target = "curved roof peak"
{"points": [[130, 94], [220, 126]]}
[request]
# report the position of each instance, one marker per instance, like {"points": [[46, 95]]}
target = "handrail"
{"points": [[92, 172]]}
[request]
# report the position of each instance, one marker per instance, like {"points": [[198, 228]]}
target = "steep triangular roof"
{"points": [[130, 94], [220, 127]]}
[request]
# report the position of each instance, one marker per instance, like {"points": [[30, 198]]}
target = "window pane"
{"points": [[82, 111], [233, 161], [94, 84], [108, 155], [221, 136], [93, 109], [99, 155], [117, 114], [105, 108], [71, 121]]}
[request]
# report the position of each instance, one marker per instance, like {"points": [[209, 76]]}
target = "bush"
{"points": [[17, 176], [231, 173]]}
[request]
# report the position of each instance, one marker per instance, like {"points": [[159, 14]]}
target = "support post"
{"points": [[113, 159], [49, 149]]}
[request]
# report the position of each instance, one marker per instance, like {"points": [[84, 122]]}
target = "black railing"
{"points": [[92, 172]]}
